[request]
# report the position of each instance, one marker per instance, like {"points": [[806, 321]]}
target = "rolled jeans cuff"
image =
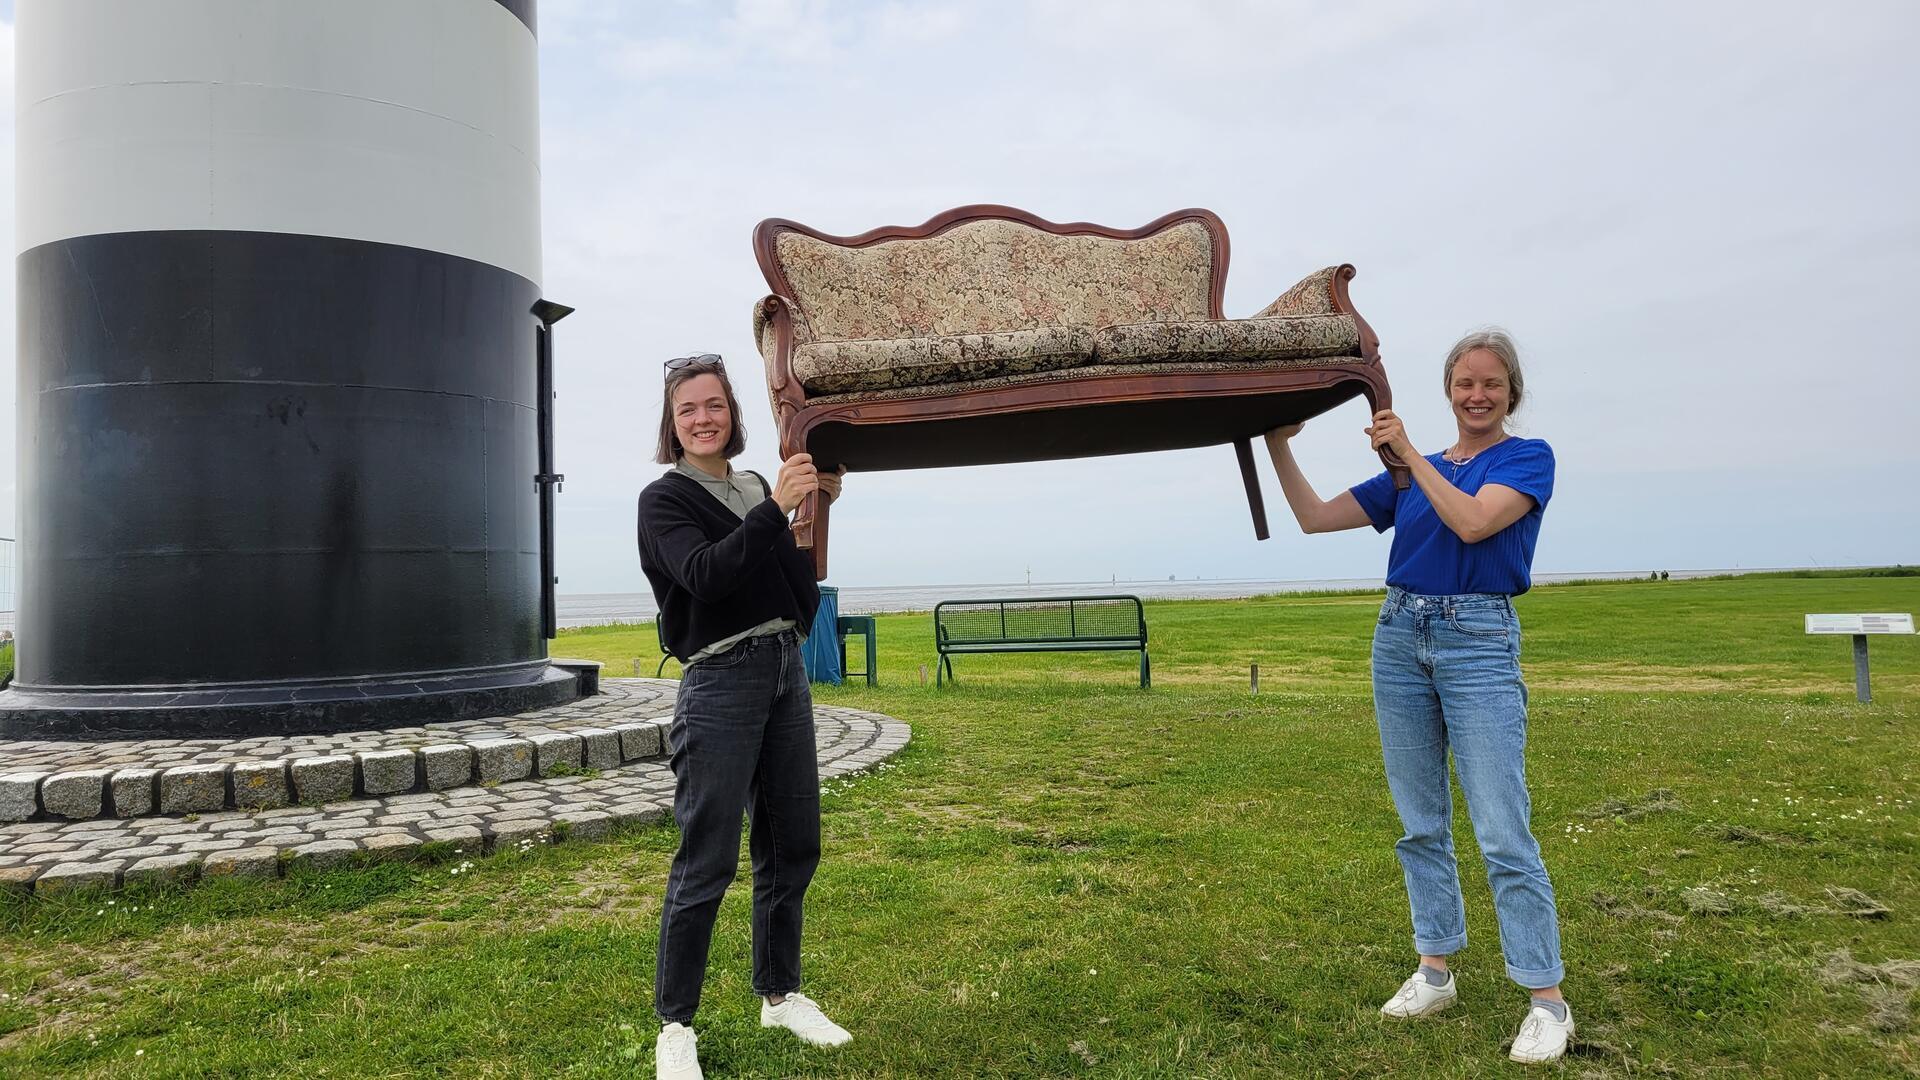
{"points": [[1445, 946], [1540, 979]]}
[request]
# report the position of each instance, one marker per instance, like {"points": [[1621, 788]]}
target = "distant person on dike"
{"points": [[736, 597], [1446, 674]]}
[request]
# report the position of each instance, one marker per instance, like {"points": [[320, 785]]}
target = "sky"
{"points": [[1696, 218]]}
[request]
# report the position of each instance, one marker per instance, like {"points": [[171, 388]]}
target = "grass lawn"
{"points": [[6, 661], [1064, 875]]}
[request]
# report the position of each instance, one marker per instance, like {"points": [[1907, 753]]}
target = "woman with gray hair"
{"points": [[1446, 674]]}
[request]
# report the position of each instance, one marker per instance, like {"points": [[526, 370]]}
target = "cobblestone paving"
{"points": [[520, 783]]}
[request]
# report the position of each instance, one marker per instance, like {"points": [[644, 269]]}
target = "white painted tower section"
{"points": [[410, 122]]}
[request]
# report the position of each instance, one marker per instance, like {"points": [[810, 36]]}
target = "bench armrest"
{"points": [[1313, 295]]}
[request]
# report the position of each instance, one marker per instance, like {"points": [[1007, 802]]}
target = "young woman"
{"points": [[1446, 674], [736, 596]]}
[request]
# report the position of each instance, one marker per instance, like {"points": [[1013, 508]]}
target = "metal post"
{"points": [[1860, 687], [545, 480]]}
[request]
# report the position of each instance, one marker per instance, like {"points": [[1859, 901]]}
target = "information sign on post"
{"points": [[1858, 627]]}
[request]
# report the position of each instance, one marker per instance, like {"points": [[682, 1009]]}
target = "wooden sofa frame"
{"points": [[797, 419]]}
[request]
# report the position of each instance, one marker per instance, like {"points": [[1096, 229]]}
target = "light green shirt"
{"points": [[739, 493]]}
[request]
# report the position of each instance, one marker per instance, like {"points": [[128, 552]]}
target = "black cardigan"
{"points": [[714, 574]]}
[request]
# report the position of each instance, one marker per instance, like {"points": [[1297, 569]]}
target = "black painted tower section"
{"points": [[273, 481]]}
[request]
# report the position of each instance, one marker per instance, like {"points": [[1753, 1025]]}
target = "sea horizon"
{"points": [[576, 610]]}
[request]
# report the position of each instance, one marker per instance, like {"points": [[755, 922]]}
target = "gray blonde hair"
{"points": [[1500, 344]]}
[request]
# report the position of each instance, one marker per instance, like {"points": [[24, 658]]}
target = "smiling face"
{"points": [[1481, 393], [701, 419]]}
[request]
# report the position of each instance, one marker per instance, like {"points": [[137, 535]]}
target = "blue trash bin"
{"points": [[821, 653]]}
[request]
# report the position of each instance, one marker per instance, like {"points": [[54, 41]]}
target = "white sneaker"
{"points": [[1541, 1037], [1418, 997], [801, 1016], [674, 1057]]}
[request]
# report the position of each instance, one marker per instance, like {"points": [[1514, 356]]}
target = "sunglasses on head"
{"points": [[703, 360]]}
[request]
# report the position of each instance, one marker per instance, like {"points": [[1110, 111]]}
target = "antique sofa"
{"points": [[991, 335]]}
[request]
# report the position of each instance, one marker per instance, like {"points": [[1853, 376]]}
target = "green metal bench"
{"points": [[864, 626], [1040, 624], [664, 654]]}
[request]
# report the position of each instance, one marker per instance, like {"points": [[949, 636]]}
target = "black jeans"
{"points": [[742, 738]]}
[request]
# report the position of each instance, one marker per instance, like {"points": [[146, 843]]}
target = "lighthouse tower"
{"points": [[284, 429]]}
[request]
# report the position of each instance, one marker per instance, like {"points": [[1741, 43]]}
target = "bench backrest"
{"points": [[980, 269], [1040, 619]]}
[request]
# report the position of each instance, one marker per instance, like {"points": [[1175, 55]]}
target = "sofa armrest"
{"points": [[764, 313], [1314, 295], [778, 327]]}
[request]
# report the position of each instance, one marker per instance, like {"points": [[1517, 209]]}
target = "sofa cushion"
{"points": [[1227, 339], [1089, 371], [837, 367]]}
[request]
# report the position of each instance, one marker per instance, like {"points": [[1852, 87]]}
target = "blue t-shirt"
{"points": [[1430, 558]]}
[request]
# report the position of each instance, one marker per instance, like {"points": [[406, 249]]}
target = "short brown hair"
{"points": [[670, 450]]}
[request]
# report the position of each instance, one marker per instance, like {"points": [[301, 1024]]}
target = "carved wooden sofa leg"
{"points": [[1250, 476], [822, 507], [810, 523], [810, 532]]}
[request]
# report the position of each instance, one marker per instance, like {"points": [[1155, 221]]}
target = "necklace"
{"points": [[1447, 454]]}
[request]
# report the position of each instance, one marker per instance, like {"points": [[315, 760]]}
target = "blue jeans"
{"points": [[743, 740], [1446, 676]]}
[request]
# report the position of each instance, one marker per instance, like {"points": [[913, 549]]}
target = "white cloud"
{"points": [[909, 24], [655, 58]]}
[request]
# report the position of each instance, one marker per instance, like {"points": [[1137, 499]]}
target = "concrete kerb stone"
{"points": [[69, 876], [18, 879], [466, 839], [627, 815], [600, 748], [75, 795], [20, 794], [388, 772], [193, 789], [393, 846], [260, 785], [509, 835], [163, 870], [447, 765], [555, 751], [321, 854], [583, 824], [500, 760], [319, 780], [136, 791], [252, 862], [638, 741]]}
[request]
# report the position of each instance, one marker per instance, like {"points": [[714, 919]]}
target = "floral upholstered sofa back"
{"points": [[990, 275]]}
